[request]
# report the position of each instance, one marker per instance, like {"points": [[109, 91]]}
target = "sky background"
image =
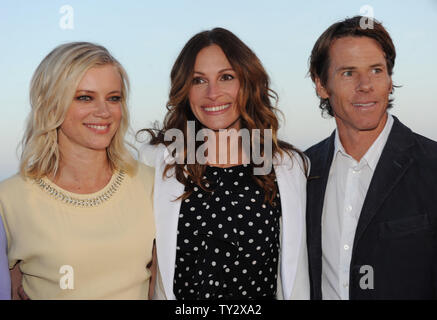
{"points": [[146, 37]]}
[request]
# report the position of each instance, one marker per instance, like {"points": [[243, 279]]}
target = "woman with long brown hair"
{"points": [[229, 196]]}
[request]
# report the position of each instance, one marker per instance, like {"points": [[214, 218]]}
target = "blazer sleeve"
{"points": [[301, 289], [158, 293], [291, 177], [5, 281], [147, 154]]}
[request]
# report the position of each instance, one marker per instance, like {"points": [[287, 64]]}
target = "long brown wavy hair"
{"points": [[254, 102]]}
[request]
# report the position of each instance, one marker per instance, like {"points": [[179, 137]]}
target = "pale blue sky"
{"points": [[146, 36]]}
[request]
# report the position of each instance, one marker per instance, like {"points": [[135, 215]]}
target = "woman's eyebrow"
{"points": [[220, 71]]}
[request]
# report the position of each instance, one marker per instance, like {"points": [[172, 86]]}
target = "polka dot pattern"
{"points": [[228, 239]]}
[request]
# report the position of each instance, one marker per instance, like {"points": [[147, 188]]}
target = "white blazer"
{"points": [[293, 280]]}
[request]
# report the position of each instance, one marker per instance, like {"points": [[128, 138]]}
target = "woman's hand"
{"points": [[152, 268], [17, 284]]}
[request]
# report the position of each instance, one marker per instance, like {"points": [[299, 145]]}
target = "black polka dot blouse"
{"points": [[228, 239]]}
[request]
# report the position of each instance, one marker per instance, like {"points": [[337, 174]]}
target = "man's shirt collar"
{"points": [[373, 154]]}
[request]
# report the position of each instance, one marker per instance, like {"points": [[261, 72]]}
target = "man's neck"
{"points": [[357, 142]]}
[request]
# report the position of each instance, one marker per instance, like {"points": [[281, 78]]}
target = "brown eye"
{"points": [[198, 80], [227, 77]]}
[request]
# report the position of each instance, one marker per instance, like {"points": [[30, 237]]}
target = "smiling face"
{"points": [[213, 93], [358, 85], [95, 113]]}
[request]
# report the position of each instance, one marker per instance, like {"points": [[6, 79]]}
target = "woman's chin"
{"points": [[217, 126]]}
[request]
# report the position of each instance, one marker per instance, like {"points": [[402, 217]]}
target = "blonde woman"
{"points": [[78, 216]]}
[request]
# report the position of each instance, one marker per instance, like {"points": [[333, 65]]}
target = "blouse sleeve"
{"points": [[5, 281]]}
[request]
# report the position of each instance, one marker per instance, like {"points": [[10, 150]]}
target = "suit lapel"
{"points": [[317, 180], [394, 162], [166, 219], [316, 187], [291, 183]]}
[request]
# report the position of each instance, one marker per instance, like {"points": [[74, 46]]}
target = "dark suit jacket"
{"points": [[396, 231]]}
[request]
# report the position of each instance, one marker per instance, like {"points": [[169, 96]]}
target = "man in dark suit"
{"points": [[372, 188]]}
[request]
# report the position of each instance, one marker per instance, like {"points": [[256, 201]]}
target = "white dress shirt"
{"points": [[346, 190]]}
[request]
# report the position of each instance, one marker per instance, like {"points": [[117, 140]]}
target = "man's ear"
{"points": [[321, 90]]}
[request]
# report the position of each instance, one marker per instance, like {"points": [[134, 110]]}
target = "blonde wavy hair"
{"points": [[52, 90]]}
